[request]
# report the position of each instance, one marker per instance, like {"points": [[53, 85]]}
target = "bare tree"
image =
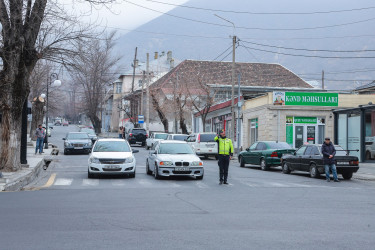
{"points": [[157, 103], [202, 100], [26, 26], [91, 70]]}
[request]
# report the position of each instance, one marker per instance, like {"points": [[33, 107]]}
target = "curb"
{"points": [[21, 182]]}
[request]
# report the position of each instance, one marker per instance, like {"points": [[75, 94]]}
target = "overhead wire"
{"points": [[262, 13], [251, 28], [310, 56], [222, 53]]}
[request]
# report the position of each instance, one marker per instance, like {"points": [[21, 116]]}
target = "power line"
{"points": [[311, 56], [311, 50], [262, 13], [223, 53], [252, 28]]}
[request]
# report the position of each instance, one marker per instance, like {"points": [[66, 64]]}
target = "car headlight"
{"points": [[197, 163], [67, 144], [88, 144], [129, 160], [94, 160], [166, 163]]}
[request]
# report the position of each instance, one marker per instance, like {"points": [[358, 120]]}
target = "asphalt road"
{"points": [[258, 210]]}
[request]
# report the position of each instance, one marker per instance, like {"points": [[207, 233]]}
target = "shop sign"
{"points": [[305, 99], [309, 120]]}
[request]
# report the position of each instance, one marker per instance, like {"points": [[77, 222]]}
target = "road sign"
{"points": [[141, 119]]}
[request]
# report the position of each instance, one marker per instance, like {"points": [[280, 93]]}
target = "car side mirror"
{"points": [[247, 149], [64, 139], [135, 151]]}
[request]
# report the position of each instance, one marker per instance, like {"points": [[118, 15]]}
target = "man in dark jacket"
{"points": [[329, 152]]}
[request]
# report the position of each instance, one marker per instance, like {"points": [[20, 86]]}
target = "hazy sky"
{"points": [[121, 14]]}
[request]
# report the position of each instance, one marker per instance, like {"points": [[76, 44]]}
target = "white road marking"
{"points": [[118, 182], [144, 182], [90, 182], [63, 182]]}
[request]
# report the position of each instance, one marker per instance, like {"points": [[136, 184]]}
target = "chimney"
{"points": [[169, 56], [171, 63], [136, 63], [156, 55]]}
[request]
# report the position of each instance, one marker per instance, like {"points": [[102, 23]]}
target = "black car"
{"points": [[309, 158], [77, 142], [137, 136]]}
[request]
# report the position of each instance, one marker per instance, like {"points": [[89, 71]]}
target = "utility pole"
{"points": [[175, 103], [322, 79], [233, 82], [238, 113], [148, 96], [143, 80], [132, 104]]}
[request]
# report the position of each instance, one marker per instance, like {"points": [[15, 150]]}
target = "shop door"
{"points": [[299, 135], [305, 133]]}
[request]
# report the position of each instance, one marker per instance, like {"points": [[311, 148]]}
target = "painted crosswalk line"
{"points": [[63, 182]]}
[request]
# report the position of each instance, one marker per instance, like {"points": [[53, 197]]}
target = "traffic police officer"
{"points": [[225, 150]]}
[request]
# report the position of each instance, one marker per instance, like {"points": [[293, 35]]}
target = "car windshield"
{"points": [[111, 146], [207, 137], [180, 137], [278, 145], [175, 148], [78, 136], [89, 131], [339, 151], [161, 136]]}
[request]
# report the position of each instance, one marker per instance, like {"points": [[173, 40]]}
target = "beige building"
{"points": [[294, 117]]}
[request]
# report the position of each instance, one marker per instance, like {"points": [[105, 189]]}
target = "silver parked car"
{"points": [[173, 158]]}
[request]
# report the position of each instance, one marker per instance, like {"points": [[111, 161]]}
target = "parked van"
{"points": [[204, 144]]}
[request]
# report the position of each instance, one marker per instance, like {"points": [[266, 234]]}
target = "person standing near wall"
{"points": [[225, 151]]}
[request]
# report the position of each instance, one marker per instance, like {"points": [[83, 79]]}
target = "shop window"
{"points": [[370, 135], [354, 134], [253, 130], [342, 131]]}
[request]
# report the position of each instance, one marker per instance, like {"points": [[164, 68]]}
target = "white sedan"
{"points": [[174, 158], [112, 157]]}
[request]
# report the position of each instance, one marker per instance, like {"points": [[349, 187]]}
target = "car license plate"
{"points": [[342, 163], [181, 169], [112, 166], [210, 145], [78, 147]]}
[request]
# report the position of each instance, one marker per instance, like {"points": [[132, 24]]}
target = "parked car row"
{"points": [[307, 158]]}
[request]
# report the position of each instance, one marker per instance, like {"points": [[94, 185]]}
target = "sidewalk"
{"points": [[366, 172], [15, 181]]}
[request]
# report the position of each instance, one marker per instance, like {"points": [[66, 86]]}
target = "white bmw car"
{"points": [[174, 158], [112, 157]]}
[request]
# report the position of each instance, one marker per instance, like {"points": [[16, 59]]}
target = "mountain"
{"points": [[198, 40]]}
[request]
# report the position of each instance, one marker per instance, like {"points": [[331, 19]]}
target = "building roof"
{"points": [[220, 73], [366, 86]]}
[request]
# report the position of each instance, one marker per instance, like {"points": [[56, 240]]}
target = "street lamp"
{"points": [[56, 83]]}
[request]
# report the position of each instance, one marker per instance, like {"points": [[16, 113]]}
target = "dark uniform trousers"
{"points": [[223, 166]]}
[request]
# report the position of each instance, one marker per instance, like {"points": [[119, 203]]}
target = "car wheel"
{"points": [[156, 173], [205, 157], [263, 165], [65, 152], [368, 155], [242, 163], [216, 157], [199, 177], [90, 175], [148, 171], [314, 173], [286, 169], [347, 176]]}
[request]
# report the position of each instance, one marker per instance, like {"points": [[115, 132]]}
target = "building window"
{"points": [[222, 95], [253, 130], [140, 83], [118, 87]]}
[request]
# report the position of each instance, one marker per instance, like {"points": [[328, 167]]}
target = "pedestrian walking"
{"points": [[120, 132], [40, 134], [225, 150], [329, 152]]}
